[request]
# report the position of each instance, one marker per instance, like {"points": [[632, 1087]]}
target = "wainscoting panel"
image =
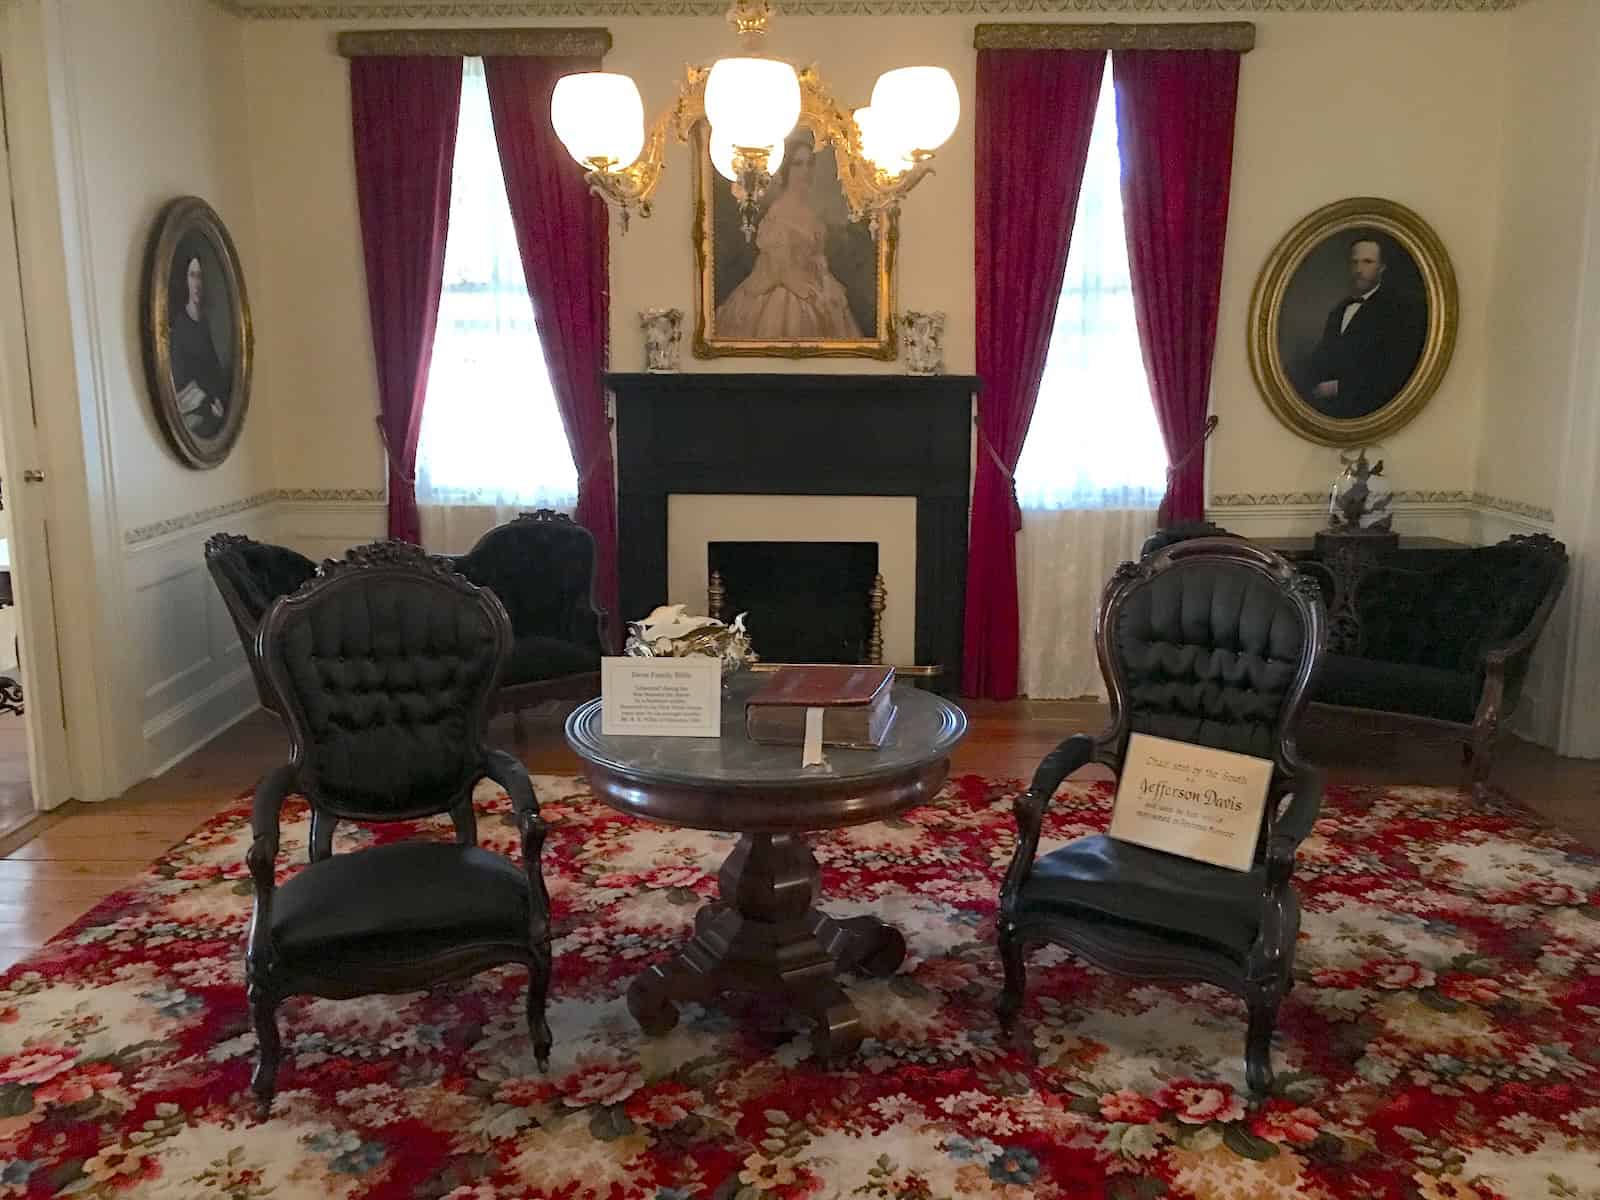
{"points": [[194, 681]]}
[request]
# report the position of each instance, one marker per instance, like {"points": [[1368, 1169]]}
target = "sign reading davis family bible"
{"points": [[661, 697], [1191, 800]]}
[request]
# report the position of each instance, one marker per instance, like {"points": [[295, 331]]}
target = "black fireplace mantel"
{"points": [[800, 435]]}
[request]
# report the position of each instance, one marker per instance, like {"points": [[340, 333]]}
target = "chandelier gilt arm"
{"points": [[881, 151]]}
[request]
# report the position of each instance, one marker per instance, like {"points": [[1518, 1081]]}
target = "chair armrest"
{"points": [[1293, 825], [1077, 751], [262, 857], [509, 773], [1521, 646]]}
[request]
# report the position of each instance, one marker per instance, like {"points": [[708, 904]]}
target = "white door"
{"points": [[26, 494]]}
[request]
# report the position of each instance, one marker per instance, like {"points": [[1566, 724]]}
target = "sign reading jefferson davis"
{"points": [[1191, 800]]}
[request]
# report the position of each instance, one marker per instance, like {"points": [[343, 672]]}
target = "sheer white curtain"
{"points": [[1093, 469], [492, 442]]}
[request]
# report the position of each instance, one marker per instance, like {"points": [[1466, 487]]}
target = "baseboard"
{"points": [[174, 734]]}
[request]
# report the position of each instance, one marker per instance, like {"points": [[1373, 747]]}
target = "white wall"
{"points": [[1541, 440], [151, 100], [1331, 105]]}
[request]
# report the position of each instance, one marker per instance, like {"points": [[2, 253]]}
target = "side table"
{"points": [[766, 934]]}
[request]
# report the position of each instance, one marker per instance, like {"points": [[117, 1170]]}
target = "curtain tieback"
{"points": [[408, 478], [1010, 478], [1194, 448], [599, 459]]}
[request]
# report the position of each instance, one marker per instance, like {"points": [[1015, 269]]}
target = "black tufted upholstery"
{"points": [[250, 575], [1451, 644], [384, 666], [1215, 642], [541, 566], [1209, 657], [1448, 618], [389, 682]]}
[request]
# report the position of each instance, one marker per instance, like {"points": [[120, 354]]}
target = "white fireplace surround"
{"points": [[694, 521]]}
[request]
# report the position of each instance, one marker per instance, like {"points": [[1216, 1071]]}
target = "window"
{"points": [[491, 432], [1094, 442]]}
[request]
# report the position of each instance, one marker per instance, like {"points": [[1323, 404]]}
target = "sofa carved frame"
{"points": [[1293, 801]]}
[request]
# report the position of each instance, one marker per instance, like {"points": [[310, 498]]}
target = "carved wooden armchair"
{"points": [[384, 666], [249, 576], [541, 566], [1211, 641]]}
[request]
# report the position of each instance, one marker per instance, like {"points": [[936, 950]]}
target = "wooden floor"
{"points": [[55, 869]]}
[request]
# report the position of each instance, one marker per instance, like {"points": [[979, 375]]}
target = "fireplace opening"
{"points": [[807, 601]]}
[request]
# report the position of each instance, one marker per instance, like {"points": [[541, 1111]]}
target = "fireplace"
{"points": [[805, 601], [882, 459]]}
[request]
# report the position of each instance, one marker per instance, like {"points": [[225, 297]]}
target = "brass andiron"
{"points": [[716, 596], [877, 601]]}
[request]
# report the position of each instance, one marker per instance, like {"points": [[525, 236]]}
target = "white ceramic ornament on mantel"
{"points": [[922, 342], [663, 338]]}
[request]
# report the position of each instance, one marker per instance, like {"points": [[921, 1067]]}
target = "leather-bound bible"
{"points": [[857, 706]]}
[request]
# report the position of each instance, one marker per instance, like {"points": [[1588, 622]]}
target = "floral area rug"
{"points": [[1442, 1042]]}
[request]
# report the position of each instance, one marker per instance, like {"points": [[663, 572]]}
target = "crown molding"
{"points": [[546, 42], [1118, 35], [356, 10]]}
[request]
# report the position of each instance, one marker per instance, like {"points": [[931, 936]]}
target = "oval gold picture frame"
{"points": [[180, 221], [1417, 238]]}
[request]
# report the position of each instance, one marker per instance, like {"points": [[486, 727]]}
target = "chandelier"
{"points": [[751, 103]]}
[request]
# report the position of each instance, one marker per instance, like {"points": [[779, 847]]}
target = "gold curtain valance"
{"points": [[570, 42], [1118, 35]]}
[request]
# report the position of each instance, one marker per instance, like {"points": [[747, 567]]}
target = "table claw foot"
{"points": [[837, 1032], [868, 945], [650, 1004]]}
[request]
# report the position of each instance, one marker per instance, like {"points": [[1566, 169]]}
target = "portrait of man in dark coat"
{"points": [[1371, 340]]}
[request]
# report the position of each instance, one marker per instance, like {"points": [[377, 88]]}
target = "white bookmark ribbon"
{"points": [[811, 752]]}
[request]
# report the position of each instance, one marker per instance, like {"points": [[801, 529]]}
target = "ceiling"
{"points": [[444, 9]]}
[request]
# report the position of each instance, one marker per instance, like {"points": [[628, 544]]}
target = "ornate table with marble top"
{"points": [[766, 934]]}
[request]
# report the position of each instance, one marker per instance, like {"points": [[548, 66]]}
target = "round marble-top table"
{"points": [[766, 934]]}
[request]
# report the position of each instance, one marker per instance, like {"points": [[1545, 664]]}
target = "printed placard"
{"points": [[661, 697], [1191, 800]]}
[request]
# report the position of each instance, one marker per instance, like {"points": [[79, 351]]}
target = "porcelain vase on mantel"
{"points": [[922, 342], [663, 338]]}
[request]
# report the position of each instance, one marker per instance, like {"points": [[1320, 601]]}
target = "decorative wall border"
{"points": [[1117, 35], [141, 534], [548, 42], [278, 10], [1480, 500]]}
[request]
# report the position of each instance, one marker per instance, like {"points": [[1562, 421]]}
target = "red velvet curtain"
{"points": [[1034, 114], [404, 113], [1175, 112], [562, 235]]}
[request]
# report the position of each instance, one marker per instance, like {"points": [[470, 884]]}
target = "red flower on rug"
{"points": [[1441, 1044]]}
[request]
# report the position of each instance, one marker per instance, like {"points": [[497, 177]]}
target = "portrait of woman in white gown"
{"points": [[790, 293], [810, 281]]}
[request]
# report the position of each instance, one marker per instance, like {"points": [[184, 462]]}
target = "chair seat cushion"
{"points": [[1102, 879], [1397, 687], [406, 896], [534, 658]]}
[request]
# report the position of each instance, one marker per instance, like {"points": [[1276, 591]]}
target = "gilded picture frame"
{"points": [[844, 304], [1353, 321], [197, 333]]}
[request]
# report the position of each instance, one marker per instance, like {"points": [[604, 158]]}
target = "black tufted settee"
{"points": [[1214, 642], [1452, 643], [541, 566], [250, 575]]}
